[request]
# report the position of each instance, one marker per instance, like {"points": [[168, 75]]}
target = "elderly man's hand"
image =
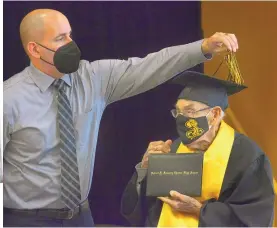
{"points": [[220, 43], [182, 203], [157, 147]]}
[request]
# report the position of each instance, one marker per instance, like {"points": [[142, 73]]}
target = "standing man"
{"points": [[52, 113]]}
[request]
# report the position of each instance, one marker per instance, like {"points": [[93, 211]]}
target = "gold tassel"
{"points": [[234, 71]]}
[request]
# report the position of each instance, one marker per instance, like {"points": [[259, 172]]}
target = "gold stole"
{"points": [[214, 167]]}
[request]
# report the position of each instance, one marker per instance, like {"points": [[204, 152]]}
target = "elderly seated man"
{"points": [[237, 188]]}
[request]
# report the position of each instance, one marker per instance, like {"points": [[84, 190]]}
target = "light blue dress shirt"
{"points": [[31, 153]]}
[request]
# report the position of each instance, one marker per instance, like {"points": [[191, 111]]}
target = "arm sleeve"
{"points": [[251, 203], [121, 79], [132, 199], [7, 130]]}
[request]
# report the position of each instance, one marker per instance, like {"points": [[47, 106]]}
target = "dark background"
{"points": [[117, 30]]}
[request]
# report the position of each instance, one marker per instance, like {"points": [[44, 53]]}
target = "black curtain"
{"points": [[117, 30]]}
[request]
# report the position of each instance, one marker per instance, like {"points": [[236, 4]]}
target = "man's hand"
{"points": [[220, 43], [182, 203], [155, 148]]}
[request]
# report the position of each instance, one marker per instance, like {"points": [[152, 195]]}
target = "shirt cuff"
{"points": [[141, 172], [196, 53], [208, 56]]}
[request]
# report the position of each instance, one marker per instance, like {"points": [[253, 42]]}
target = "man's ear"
{"points": [[33, 49], [215, 115]]}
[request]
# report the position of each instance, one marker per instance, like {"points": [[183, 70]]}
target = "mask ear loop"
{"points": [[209, 112]]}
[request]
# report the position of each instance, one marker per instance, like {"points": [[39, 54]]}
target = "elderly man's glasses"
{"points": [[188, 113]]}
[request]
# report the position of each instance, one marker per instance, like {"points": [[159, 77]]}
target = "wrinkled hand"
{"points": [[182, 203], [155, 148], [219, 43]]}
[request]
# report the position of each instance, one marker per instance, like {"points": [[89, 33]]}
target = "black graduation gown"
{"points": [[246, 197]]}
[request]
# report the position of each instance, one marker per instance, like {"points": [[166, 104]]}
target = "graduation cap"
{"points": [[208, 89]]}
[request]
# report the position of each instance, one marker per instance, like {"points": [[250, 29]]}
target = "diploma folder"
{"points": [[181, 172]]}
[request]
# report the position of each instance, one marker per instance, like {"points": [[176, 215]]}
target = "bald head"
{"points": [[36, 24], [43, 32]]}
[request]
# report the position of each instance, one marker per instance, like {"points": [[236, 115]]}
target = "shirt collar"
{"points": [[44, 81]]}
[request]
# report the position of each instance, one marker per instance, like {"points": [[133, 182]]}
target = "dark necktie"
{"points": [[70, 183]]}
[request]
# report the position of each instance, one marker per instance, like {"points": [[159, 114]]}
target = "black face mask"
{"points": [[66, 58], [191, 129]]}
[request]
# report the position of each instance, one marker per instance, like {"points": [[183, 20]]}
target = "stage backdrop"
{"points": [[117, 30], [254, 110]]}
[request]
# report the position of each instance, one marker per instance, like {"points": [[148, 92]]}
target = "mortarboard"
{"points": [[208, 89]]}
